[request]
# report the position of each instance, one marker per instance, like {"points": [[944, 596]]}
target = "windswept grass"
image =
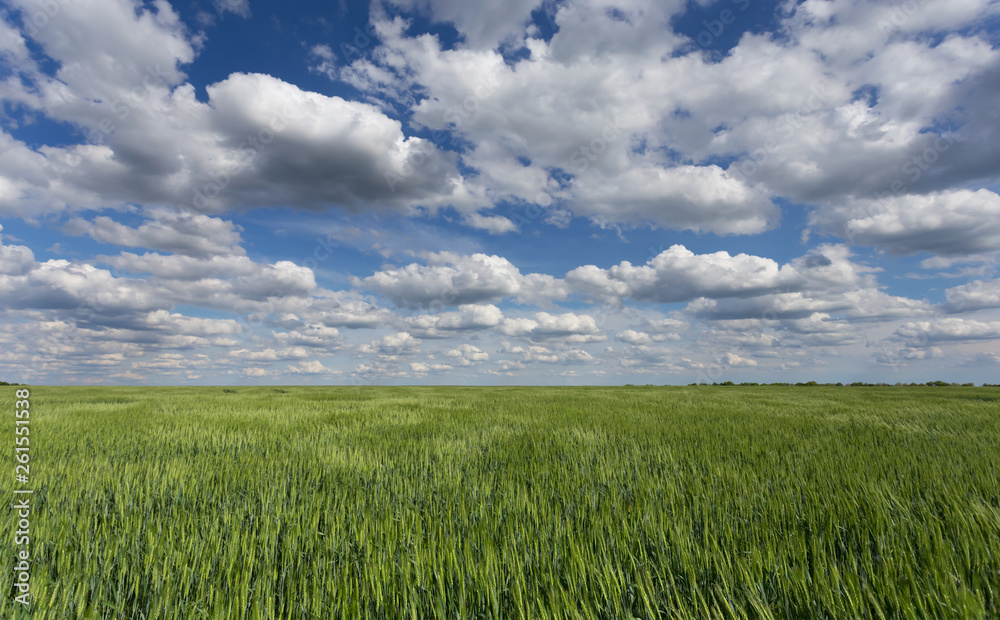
{"points": [[513, 503]]}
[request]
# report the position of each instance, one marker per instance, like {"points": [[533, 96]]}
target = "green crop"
{"points": [[675, 502]]}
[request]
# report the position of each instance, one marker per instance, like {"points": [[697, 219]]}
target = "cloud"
{"points": [[735, 361], [348, 309], [494, 224], [454, 280], [975, 295], [191, 326], [677, 274], [674, 275], [983, 360], [630, 336], [467, 355], [15, 260], [315, 151], [636, 113], [257, 141], [861, 304], [189, 234], [949, 223], [593, 142], [168, 362], [568, 327], [901, 356], [310, 335], [236, 7], [106, 306], [615, 117], [398, 343], [104, 48], [225, 282], [721, 286], [181, 267], [282, 279], [269, 355], [421, 367], [484, 28], [537, 353], [946, 262], [851, 29], [469, 317], [669, 328], [324, 61], [699, 198], [311, 367], [78, 289], [920, 333]]}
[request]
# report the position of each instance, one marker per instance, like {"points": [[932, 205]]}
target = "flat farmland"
{"points": [[511, 502]]}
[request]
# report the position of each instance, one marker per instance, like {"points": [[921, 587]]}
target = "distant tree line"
{"points": [[5, 383], [855, 384]]}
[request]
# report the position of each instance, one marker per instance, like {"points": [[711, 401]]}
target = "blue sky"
{"points": [[428, 191]]}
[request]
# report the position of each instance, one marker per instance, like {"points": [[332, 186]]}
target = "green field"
{"points": [[672, 502]]}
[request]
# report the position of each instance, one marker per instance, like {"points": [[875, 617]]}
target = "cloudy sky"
{"points": [[528, 192]]}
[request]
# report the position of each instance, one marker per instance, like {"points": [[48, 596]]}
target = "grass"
{"points": [[686, 502]]}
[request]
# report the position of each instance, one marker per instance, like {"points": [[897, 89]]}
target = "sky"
{"points": [[565, 192]]}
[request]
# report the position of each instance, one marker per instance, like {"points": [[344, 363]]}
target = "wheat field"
{"points": [[454, 502]]}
